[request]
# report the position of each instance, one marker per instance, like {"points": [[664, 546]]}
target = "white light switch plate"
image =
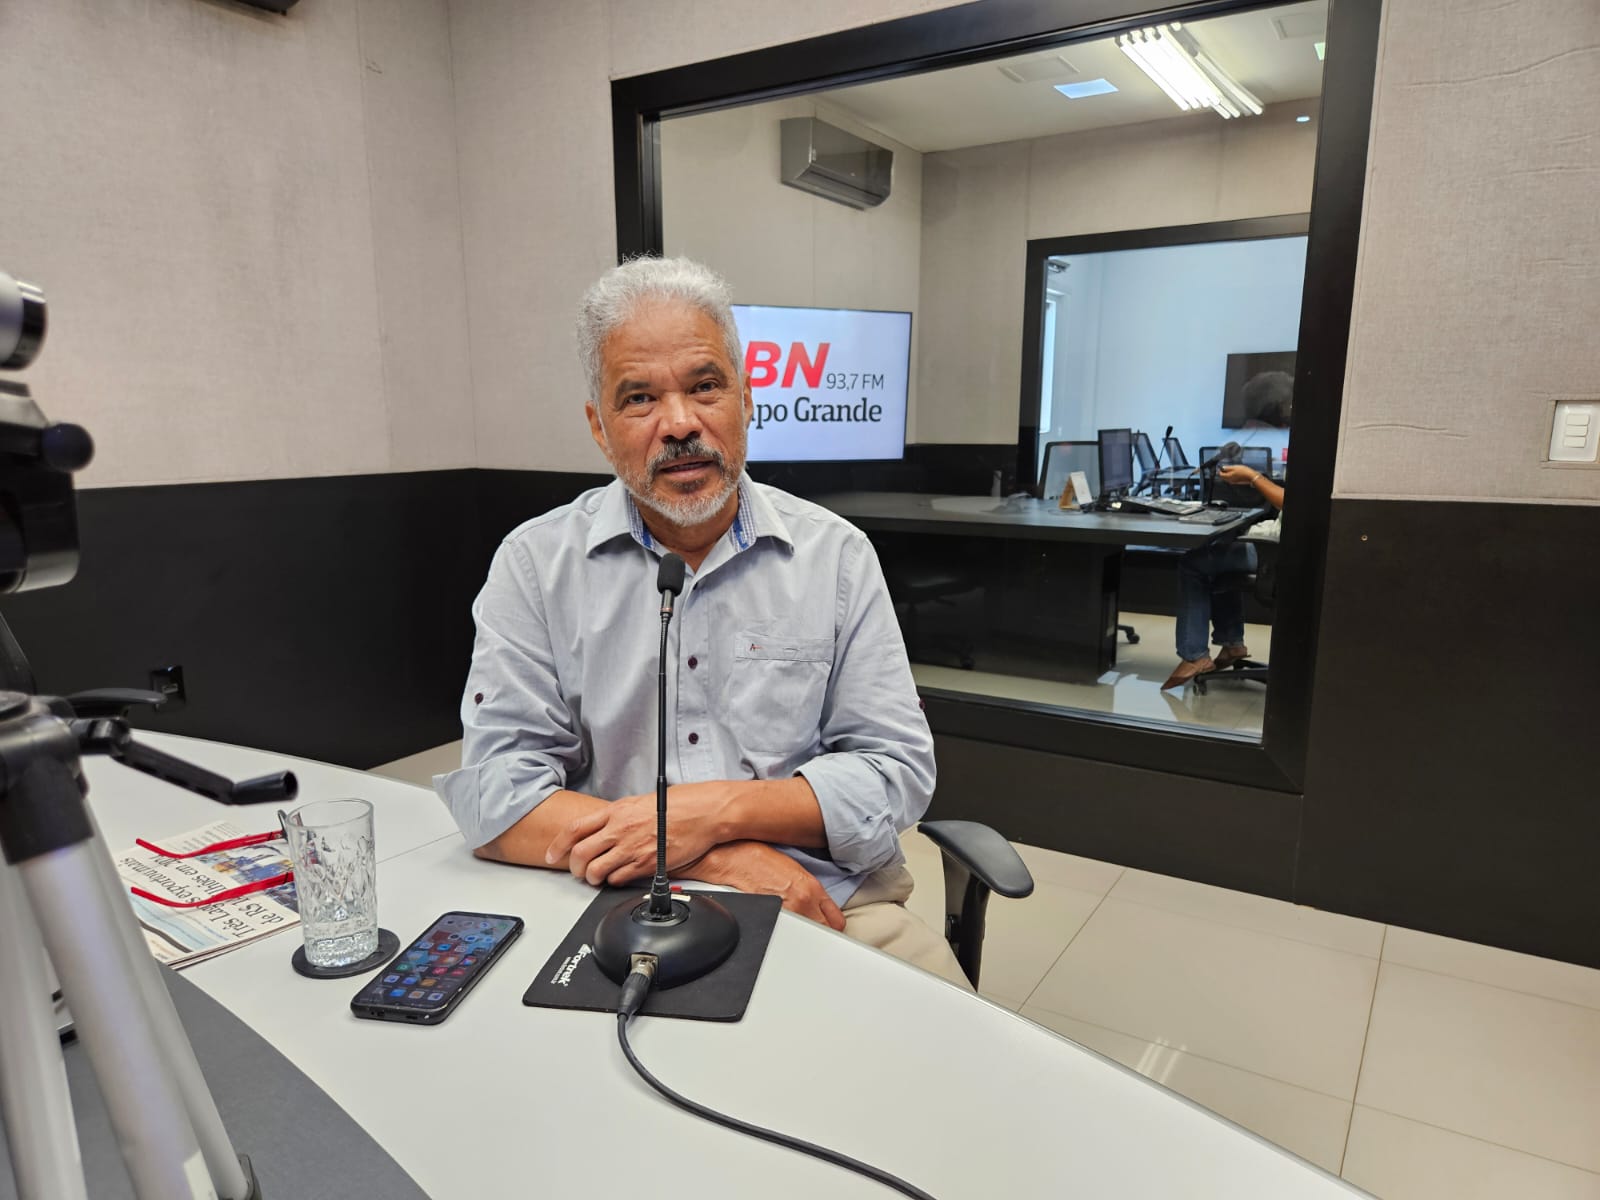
{"points": [[1575, 436]]}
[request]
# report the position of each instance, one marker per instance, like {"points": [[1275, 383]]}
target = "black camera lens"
{"points": [[22, 322]]}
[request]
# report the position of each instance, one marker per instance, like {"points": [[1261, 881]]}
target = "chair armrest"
{"points": [[112, 702], [983, 852]]}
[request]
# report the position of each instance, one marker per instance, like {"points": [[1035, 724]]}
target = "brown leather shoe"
{"points": [[1232, 654], [1187, 670]]}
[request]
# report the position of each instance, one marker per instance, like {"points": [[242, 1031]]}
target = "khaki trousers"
{"points": [[877, 915]]}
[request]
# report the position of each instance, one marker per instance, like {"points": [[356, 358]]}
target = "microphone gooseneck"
{"points": [[669, 582], [682, 940]]}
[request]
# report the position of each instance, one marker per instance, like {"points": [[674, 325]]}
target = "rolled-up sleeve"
{"points": [[520, 740], [875, 777]]}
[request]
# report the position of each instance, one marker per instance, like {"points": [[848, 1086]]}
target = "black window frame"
{"points": [[979, 32]]}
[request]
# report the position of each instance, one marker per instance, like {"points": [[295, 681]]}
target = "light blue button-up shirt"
{"points": [[784, 658]]}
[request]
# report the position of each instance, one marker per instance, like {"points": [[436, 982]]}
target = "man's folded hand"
{"points": [[756, 867], [617, 843]]}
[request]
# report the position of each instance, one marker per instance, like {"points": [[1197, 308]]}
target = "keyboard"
{"points": [[1162, 504], [1214, 516]]}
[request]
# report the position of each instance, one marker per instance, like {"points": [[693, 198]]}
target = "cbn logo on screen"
{"points": [[761, 361]]}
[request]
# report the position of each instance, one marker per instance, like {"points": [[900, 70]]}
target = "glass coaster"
{"points": [[388, 947]]}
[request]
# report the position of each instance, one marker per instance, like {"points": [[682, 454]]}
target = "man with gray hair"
{"points": [[797, 749]]}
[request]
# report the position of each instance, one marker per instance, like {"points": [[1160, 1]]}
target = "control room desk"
{"points": [[841, 1044], [1061, 568]]}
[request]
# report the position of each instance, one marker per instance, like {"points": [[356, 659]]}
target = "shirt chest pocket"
{"points": [[776, 691]]}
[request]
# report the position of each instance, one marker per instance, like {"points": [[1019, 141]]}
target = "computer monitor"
{"points": [[829, 384], [1258, 390], [1116, 461], [1176, 459]]}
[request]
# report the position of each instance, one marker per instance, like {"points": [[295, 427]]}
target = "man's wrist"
{"points": [[732, 817]]}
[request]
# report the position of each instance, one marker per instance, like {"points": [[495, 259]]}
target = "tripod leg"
{"points": [[33, 1080], [222, 1162], [101, 984]]}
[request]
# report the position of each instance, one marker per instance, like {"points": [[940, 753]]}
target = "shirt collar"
{"points": [[618, 516]]}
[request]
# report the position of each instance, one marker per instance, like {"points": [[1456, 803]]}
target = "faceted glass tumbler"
{"points": [[336, 880]]}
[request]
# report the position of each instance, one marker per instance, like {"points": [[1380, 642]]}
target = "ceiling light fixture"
{"points": [[1302, 119], [1089, 87], [1172, 58]]}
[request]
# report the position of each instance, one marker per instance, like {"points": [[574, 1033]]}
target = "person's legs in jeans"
{"points": [[1196, 569], [1199, 606], [1227, 607]]}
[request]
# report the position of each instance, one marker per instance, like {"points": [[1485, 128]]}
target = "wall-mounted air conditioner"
{"points": [[828, 162]]}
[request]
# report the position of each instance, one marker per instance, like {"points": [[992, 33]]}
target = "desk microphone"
{"points": [[1166, 439], [687, 936], [1231, 450]]}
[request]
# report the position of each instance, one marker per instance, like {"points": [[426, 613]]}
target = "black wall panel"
{"points": [[1450, 780], [1221, 833], [1448, 786], [325, 617]]}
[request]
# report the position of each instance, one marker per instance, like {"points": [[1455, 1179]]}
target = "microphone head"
{"points": [[669, 577], [1229, 450], [1168, 433]]}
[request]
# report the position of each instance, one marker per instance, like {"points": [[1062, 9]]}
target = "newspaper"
{"points": [[180, 936]]}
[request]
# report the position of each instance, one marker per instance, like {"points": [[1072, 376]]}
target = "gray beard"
{"points": [[688, 511]]}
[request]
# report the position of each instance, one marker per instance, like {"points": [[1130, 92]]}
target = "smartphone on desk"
{"points": [[428, 979]]}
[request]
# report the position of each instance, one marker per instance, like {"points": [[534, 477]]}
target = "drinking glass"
{"points": [[336, 879]]}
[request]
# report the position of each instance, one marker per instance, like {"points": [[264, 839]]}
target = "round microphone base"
{"points": [[698, 941]]}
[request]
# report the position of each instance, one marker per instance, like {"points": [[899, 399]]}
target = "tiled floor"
{"points": [[1133, 687], [1418, 1067]]}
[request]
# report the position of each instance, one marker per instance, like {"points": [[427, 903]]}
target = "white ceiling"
{"points": [[1270, 51]]}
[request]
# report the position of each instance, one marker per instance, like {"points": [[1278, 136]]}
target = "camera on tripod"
{"points": [[38, 515], [61, 903]]}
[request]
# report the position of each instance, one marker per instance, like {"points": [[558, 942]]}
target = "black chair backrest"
{"points": [[1257, 458], [1144, 452], [1063, 458], [1176, 459], [1236, 495]]}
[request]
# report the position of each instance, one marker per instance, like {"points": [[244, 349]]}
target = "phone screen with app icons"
{"points": [[431, 975]]}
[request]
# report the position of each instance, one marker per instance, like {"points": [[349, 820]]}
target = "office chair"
{"points": [[977, 861], [1060, 460], [916, 577], [1180, 471], [1261, 583], [1257, 458], [1144, 453]]}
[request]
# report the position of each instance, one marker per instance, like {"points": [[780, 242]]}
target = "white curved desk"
{"points": [[842, 1045]]}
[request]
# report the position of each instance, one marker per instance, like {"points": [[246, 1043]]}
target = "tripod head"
{"points": [[39, 549], [38, 516]]}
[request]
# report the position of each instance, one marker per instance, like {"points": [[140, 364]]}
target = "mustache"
{"points": [[693, 448]]}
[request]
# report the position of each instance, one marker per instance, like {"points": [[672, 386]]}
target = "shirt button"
{"points": [[694, 739], [693, 662]]}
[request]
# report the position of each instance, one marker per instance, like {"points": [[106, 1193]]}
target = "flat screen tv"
{"points": [[829, 384], [1258, 390]]}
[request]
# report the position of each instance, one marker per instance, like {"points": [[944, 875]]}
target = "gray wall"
{"points": [[253, 231], [982, 205], [248, 228], [1478, 296], [723, 203], [533, 107]]}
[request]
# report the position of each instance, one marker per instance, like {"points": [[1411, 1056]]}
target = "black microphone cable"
{"points": [[634, 990]]}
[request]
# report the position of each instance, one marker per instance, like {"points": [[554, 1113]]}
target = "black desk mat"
{"points": [[570, 979]]}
